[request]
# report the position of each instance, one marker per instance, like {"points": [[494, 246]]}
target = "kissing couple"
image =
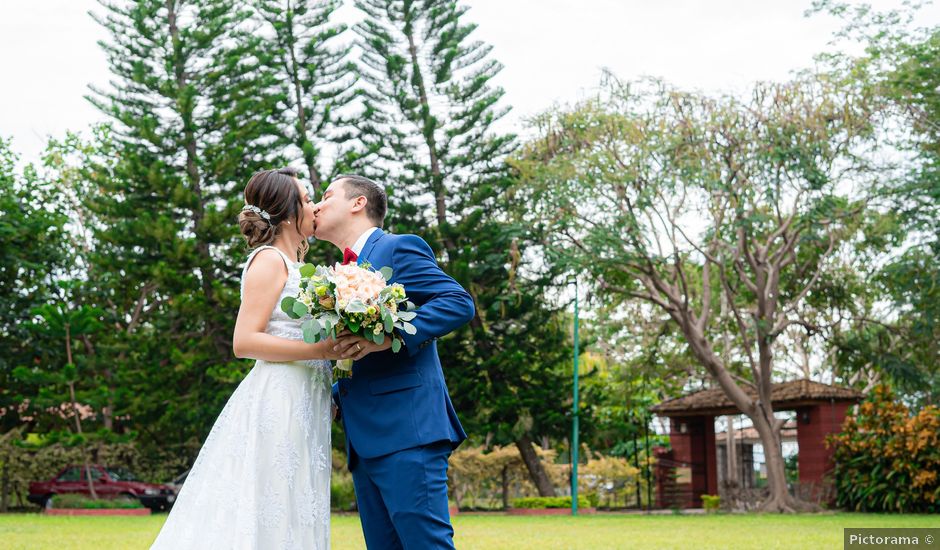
{"points": [[262, 478]]}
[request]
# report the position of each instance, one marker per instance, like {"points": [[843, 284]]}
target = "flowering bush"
{"points": [[482, 478], [888, 459]]}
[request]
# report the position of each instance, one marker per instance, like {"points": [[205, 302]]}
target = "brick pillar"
{"points": [[814, 423], [693, 443], [665, 486]]}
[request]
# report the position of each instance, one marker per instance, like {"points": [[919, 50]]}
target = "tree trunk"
{"points": [[780, 499], [4, 489], [505, 481], [732, 479], [107, 412], [759, 411], [303, 140], [78, 419], [534, 465], [458, 493], [194, 177], [731, 453]]}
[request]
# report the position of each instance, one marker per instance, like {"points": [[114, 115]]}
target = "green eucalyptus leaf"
{"points": [[356, 306], [287, 306]]}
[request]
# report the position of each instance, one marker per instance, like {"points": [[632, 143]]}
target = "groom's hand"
{"points": [[355, 347]]}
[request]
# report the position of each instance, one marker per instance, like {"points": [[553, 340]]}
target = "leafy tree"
{"points": [[636, 359], [900, 67], [65, 323], [683, 201], [33, 252]]}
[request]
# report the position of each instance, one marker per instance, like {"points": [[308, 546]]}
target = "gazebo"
{"points": [[820, 410]]}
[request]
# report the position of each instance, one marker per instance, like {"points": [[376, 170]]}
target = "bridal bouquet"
{"points": [[352, 297]]}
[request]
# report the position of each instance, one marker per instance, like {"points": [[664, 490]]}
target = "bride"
{"points": [[262, 478]]}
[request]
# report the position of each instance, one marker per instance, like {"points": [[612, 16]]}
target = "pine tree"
{"points": [[430, 106], [193, 115], [316, 79], [429, 121]]}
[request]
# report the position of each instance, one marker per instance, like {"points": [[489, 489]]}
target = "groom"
{"points": [[399, 421]]}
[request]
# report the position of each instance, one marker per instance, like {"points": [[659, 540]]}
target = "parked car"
{"points": [[177, 482], [109, 483]]}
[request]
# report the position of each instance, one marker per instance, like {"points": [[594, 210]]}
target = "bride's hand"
{"points": [[356, 347], [324, 349]]}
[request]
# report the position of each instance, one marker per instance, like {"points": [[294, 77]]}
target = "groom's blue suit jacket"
{"points": [[396, 401]]}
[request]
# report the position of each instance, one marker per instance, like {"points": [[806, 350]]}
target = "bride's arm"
{"points": [[264, 280]]}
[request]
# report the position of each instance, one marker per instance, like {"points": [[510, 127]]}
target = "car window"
{"points": [[96, 474], [71, 474], [121, 474]]}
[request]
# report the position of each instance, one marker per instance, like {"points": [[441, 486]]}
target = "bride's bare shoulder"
{"points": [[265, 265]]}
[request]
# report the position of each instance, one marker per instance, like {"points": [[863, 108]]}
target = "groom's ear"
{"points": [[360, 203]]}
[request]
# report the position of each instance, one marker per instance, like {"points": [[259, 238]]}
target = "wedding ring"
{"points": [[358, 348]]}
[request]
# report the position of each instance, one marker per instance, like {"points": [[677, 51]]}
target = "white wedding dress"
{"points": [[262, 478]]}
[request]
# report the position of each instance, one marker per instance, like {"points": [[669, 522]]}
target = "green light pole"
{"points": [[574, 410]]}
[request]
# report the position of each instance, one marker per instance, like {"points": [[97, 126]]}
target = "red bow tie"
{"points": [[349, 257]]}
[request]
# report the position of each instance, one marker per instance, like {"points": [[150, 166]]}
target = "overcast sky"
{"points": [[553, 51]]}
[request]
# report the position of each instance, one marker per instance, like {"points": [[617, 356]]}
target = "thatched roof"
{"points": [[784, 396]]}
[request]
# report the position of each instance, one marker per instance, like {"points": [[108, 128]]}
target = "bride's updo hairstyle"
{"points": [[271, 199]]}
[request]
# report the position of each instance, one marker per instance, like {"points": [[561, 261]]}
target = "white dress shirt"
{"points": [[361, 242]]}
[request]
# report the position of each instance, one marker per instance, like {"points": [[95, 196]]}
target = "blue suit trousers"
{"points": [[403, 498]]}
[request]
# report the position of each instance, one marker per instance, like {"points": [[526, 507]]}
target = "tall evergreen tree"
{"points": [[193, 116], [316, 80], [429, 120], [33, 252]]}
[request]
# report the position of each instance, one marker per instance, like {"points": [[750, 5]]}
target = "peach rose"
{"points": [[355, 283]]}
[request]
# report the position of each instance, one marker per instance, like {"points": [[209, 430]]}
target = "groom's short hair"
{"points": [[376, 199]]}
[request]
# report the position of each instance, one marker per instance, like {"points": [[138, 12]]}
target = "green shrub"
{"points": [[541, 503], [342, 492], [711, 503], [887, 459], [75, 500], [594, 499]]}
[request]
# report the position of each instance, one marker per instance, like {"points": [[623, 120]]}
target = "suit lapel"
{"points": [[370, 244]]}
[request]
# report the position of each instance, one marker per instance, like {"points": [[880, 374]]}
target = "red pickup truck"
{"points": [[109, 483]]}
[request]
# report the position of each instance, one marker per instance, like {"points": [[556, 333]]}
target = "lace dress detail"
{"points": [[262, 478]]}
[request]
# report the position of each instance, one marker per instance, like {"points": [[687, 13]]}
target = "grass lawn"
{"points": [[37, 532]]}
